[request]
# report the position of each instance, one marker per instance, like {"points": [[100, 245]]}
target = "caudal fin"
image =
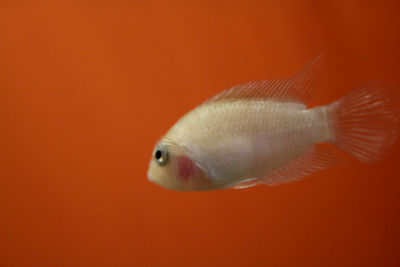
{"points": [[365, 122]]}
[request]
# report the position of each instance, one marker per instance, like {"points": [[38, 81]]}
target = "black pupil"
{"points": [[158, 154]]}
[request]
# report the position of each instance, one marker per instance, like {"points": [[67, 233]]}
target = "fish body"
{"points": [[263, 133], [246, 135]]}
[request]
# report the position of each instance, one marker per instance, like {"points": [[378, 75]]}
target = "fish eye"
{"points": [[161, 155]]}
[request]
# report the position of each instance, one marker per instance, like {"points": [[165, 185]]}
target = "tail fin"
{"points": [[365, 122]]}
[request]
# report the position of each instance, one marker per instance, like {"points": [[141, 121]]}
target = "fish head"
{"points": [[172, 168]]}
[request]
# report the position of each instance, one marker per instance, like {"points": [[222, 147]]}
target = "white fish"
{"points": [[262, 133]]}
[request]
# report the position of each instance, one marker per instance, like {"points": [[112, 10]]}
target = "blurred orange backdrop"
{"points": [[88, 87]]}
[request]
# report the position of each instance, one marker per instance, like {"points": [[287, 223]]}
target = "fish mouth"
{"points": [[150, 178]]}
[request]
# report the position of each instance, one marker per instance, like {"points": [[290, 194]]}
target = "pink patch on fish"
{"points": [[186, 167]]}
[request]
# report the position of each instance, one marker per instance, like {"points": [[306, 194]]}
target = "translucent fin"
{"points": [[312, 161], [299, 88], [365, 122], [247, 183]]}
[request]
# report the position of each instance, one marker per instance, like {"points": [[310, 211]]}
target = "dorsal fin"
{"points": [[298, 88]]}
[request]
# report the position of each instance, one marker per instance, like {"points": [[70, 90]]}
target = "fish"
{"points": [[262, 132]]}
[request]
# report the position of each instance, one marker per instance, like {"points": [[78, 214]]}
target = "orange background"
{"points": [[86, 89]]}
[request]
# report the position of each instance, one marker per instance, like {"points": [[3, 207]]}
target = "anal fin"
{"points": [[247, 183], [314, 160]]}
